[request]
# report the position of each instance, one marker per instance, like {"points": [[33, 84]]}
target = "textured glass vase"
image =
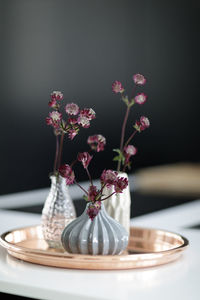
{"points": [[102, 236], [118, 206], [58, 211]]}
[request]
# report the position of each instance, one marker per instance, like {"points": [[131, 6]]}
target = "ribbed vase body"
{"points": [[118, 205], [102, 236], [58, 211]]}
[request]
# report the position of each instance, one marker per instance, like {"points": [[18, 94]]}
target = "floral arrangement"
{"points": [[76, 118], [127, 150]]}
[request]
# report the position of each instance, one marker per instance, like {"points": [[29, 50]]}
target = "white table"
{"points": [[177, 280]]}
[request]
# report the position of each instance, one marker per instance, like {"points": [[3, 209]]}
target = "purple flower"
{"points": [[117, 87], [72, 133], [53, 103], [72, 109], [139, 79], [56, 95], [108, 178], [92, 193], [121, 184], [67, 172], [142, 124], [97, 142], [93, 209], [89, 113], [83, 121], [129, 151], [140, 98], [85, 158]]}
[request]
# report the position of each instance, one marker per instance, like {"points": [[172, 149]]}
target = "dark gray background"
{"points": [[80, 48]]}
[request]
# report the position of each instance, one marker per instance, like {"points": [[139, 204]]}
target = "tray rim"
{"points": [[8, 245]]}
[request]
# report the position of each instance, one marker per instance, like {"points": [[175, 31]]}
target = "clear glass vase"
{"points": [[58, 211], [118, 206]]}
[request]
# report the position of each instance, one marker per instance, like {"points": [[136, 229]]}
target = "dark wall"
{"points": [[81, 47]]}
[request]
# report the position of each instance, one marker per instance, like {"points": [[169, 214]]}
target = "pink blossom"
{"points": [[55, 116], [56, 95], [49, 121], [108, 178], [144, 121], [140, 98], [92, 193], [83, 121], [72, 121], [97, 142], [72, 109], [93, 209], [53, 103], [117, 87], [121, 184], [72, 133], [139, 79], [142, 124], [67, 172], [89, 113], [85, 158], [129, 151]]}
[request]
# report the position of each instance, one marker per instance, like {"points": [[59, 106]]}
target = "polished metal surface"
{"points": [[147, 248]]}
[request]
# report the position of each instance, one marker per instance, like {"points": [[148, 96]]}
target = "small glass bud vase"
{"points": [[118, 205], [58, 211]]}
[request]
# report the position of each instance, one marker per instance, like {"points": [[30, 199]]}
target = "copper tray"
{"points": [[147, 248]]}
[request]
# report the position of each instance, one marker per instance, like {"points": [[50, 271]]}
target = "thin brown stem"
{"points": [[56, 155], [90, 178], [123, 134], [81, 187], [108, 196], [60, 150], [130, 138]]}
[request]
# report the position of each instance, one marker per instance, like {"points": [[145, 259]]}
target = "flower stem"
{"points": [[60, 150], [81, 187], [90, 178], [130, 138], [56, 155], [108, 196], [123, 134]]}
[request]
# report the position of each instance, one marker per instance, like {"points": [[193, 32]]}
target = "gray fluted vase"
{"points": [[102, 236], [58, 211]]}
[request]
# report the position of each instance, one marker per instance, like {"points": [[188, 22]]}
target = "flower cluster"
{"points": [[94, 195], [126, 150], [75, 119]]}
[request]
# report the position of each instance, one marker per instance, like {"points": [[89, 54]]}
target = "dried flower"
{"points": [[108, 178], [93, 209], [67, 172], [88, 113], [139, 79], [140, 98], [56, 95], [92, 193], [121, 184], [117, 87], [97, 142], [76, 118], [72, 109], [125, 150], [85, 158], [72, 133]]}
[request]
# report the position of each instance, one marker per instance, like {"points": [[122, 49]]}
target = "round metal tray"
{"points": [[147, 248]]}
